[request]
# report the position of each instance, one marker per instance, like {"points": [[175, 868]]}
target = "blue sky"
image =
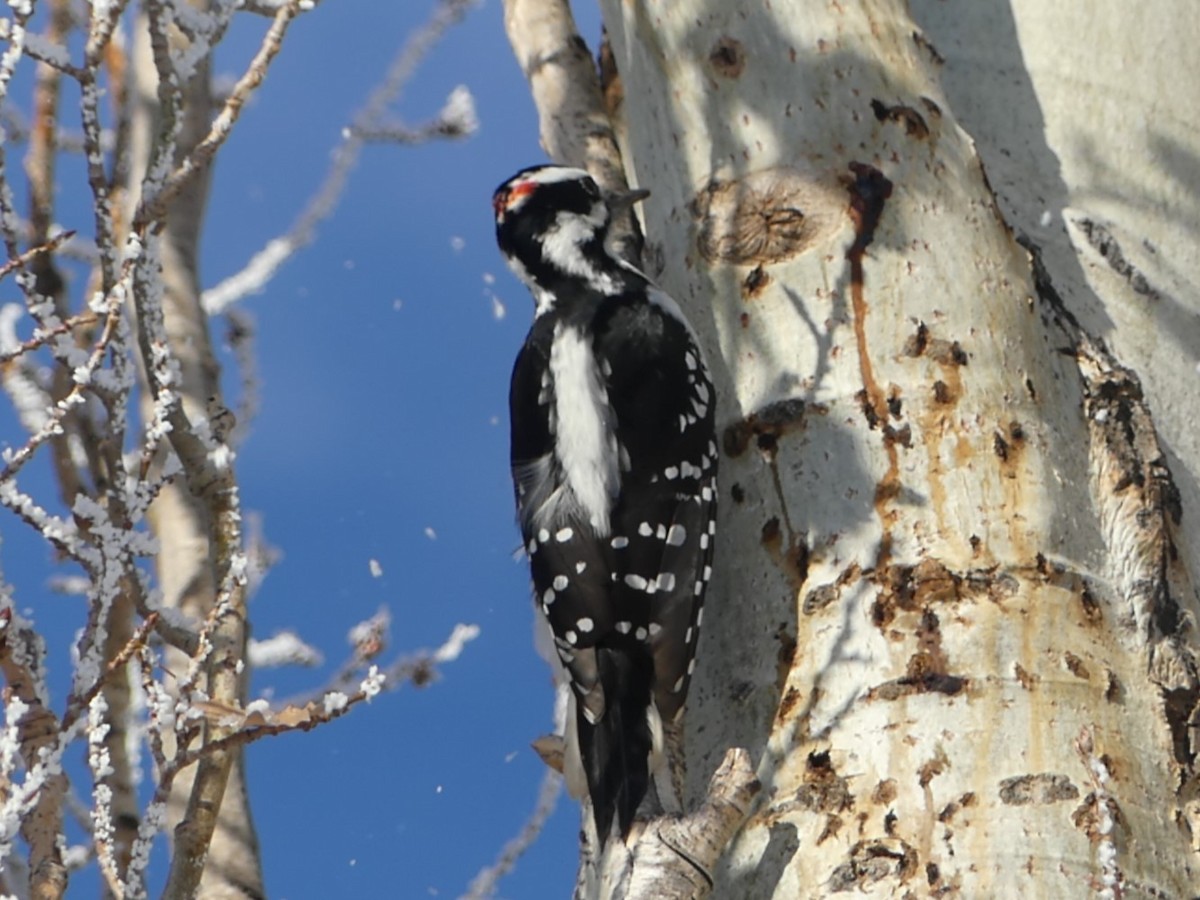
{"points": [[385, 375]]}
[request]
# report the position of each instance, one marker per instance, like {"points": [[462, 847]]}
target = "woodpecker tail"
{"points": [[616, 750]]}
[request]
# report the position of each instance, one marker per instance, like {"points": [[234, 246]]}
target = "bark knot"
{"points": [[763, 217]]}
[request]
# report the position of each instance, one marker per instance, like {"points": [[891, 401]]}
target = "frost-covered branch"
{"points": [[487, 882], [24, 259], [369, 639], [457, 119], [261, 268], [199, 157], [148, 513]]}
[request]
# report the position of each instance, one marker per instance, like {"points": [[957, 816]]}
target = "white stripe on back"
{"points": [[585, 441]]}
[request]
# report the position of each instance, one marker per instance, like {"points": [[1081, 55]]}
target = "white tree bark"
{"points": [[953, 616], [1075, 114], [221, 861]]}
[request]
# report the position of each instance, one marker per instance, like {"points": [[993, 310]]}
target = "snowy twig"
{"points": [[487, 882], [419, 668], [456, 120], [202, 154], [41, 338], [258, 720], [33, 730], [17, 36], [100, 33], [52, 53], [82, 377], [100, 763], [262, 267], [25, 258]]}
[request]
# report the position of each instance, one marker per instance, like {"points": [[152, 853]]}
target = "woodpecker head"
{"points": [[551, 224]]}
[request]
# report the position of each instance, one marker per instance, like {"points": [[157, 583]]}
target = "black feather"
{"points": [[623, 597], [616, 750]]}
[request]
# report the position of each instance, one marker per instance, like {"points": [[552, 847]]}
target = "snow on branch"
{"points": [[487, 882], [107, 376], [258, 719], [369, 639], [153, 206], [457, 118]]}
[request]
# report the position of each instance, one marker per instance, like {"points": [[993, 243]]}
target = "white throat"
{"points": [[562, 247]]}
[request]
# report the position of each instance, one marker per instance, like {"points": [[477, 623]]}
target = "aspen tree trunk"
{"points": [[952, 621]]}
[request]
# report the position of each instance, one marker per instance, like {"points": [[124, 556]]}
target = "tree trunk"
{"points": [[953, 608], [229, 867]]}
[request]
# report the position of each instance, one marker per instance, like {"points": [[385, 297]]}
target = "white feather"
{"points": [[563, 243], [586, 444]]}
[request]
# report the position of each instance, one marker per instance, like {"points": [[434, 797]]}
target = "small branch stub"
{"points": [[673, 858]]}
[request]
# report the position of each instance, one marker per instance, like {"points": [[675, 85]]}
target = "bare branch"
{"points": [[262, 267], [200, 156], [487, 882], [25, 258]]}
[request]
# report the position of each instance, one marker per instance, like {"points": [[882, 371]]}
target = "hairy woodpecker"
{"points": [[614, 463]]}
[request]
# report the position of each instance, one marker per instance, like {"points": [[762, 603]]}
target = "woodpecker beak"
{"points": [[622, 201]]}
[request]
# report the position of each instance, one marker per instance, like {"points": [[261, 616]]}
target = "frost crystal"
{"points": [[283, 649], [251, 280], [453, 648], [373, 683], [459, 112], [258, 706]]}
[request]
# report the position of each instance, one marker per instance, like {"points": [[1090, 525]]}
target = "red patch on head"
{"points": [[506, 200]]}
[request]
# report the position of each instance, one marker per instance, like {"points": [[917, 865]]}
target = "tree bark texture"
{"points": [[953, 614], [182, 521]]}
